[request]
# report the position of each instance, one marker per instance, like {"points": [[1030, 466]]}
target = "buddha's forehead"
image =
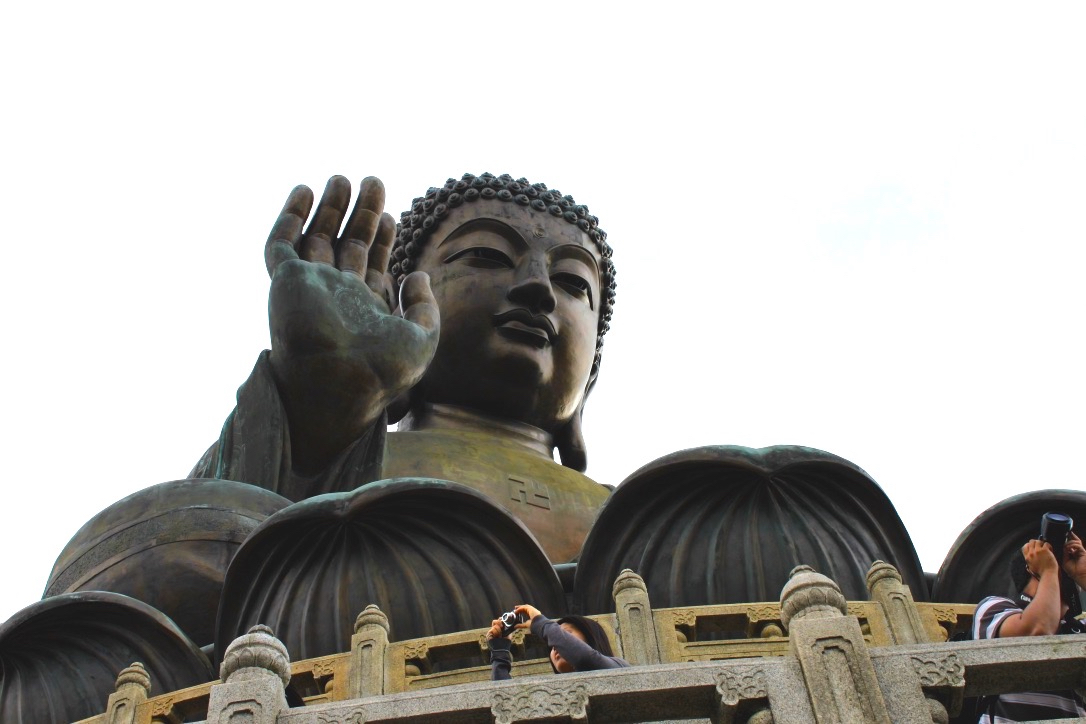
{"points": [[535, 227]]}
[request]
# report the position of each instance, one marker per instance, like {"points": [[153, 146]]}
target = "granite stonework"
{"points": [[132, 687], [254, 673], [830, 672]]}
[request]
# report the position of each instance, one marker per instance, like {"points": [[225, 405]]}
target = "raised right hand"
{"points": [[1039, 557], [528, 610], [340, 353]]}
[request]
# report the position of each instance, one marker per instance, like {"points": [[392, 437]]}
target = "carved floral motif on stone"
{"points": [[858, 610], [945, 613], [358, 716], [941, 670], [416, 651], [684, 618], [517, 637], [763, 613], [162, 707], [540, 702], [734, 685], [322, 669]]}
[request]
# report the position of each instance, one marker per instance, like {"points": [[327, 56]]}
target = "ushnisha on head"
{"points": [[525, 284]]}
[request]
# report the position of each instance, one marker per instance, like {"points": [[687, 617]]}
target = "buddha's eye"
{"points": [[574, 285], [482, 257]]}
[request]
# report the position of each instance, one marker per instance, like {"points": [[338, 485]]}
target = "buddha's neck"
{"points": [[451, 417]]}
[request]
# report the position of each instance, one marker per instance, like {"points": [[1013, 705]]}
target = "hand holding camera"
{"points": [[1040, 558], [505, 624], [1056, 531]]}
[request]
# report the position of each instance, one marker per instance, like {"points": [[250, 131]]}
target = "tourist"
{"points": [[577, 644], [1042, 609]]}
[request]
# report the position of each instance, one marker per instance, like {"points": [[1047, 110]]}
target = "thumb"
{"points": [[417, 302]]}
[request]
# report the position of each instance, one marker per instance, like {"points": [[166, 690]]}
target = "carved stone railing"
{"points": [[812, 658]]}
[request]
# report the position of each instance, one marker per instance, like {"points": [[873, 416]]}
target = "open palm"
{"points": [[342, 346]]}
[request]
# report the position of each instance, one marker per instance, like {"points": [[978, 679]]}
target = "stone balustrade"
{"points": [[814, 657]]}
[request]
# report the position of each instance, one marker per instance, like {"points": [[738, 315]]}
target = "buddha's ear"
{"points": [[569, 439]]}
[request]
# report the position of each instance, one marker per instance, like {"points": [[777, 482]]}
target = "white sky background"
{"points": [[857, 229]]}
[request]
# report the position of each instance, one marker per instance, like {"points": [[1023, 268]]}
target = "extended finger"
{"points": [[367, 209], [317, 243], [380, 251], [417, 302], [352, 249], [352, 254], [288, 228]]}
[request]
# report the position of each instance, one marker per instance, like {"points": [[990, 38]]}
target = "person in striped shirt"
{"points": [[1041, 610]]}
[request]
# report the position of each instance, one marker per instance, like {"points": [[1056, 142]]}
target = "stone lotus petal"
{"points": [[726, 524], [167, 545], [977, 564], [60, 658], [435, 556]]}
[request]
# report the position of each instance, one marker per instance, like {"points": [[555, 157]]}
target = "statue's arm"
{"points": [[341, 348]]}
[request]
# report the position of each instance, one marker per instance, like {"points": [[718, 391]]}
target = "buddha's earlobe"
{"points": [[569, 439]]}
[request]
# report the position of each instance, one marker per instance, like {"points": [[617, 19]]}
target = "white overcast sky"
{"points": [[858, 228]]}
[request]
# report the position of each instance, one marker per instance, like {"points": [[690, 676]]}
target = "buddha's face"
{"points": [[519, 296]]}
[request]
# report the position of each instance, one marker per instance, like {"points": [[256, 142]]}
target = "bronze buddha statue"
{"points": [[476, 324], [483, 339]]}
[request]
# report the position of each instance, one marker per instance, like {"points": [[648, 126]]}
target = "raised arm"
{"points": [[342, 347], [501, 656], [1042, 616], [571, 649]]}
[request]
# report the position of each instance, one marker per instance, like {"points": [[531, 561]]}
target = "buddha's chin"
{"points": [[526, 364]]}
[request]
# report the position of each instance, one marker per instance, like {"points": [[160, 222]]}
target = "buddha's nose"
{"points": [[532, 287]]}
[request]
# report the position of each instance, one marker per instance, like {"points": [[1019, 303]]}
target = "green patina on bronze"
{"points": [[557, 504]]}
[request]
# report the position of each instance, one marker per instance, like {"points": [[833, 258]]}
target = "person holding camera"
{"points": [[577, 643], [1047, 573]]}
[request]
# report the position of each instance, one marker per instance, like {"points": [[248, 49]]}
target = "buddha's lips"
{"points": [[536, 328]]}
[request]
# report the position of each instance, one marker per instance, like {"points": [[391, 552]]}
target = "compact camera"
{"points": [[510, 620]]}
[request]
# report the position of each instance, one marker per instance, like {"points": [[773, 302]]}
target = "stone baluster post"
{"points": [[635, 624], [885, 586], [255, 671], [837, 669], [369, 646], [132, 687]]}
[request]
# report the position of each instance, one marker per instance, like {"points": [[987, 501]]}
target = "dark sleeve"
{"points": [[577, 652], [990, 615], [254, 446], [501, 659]]}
